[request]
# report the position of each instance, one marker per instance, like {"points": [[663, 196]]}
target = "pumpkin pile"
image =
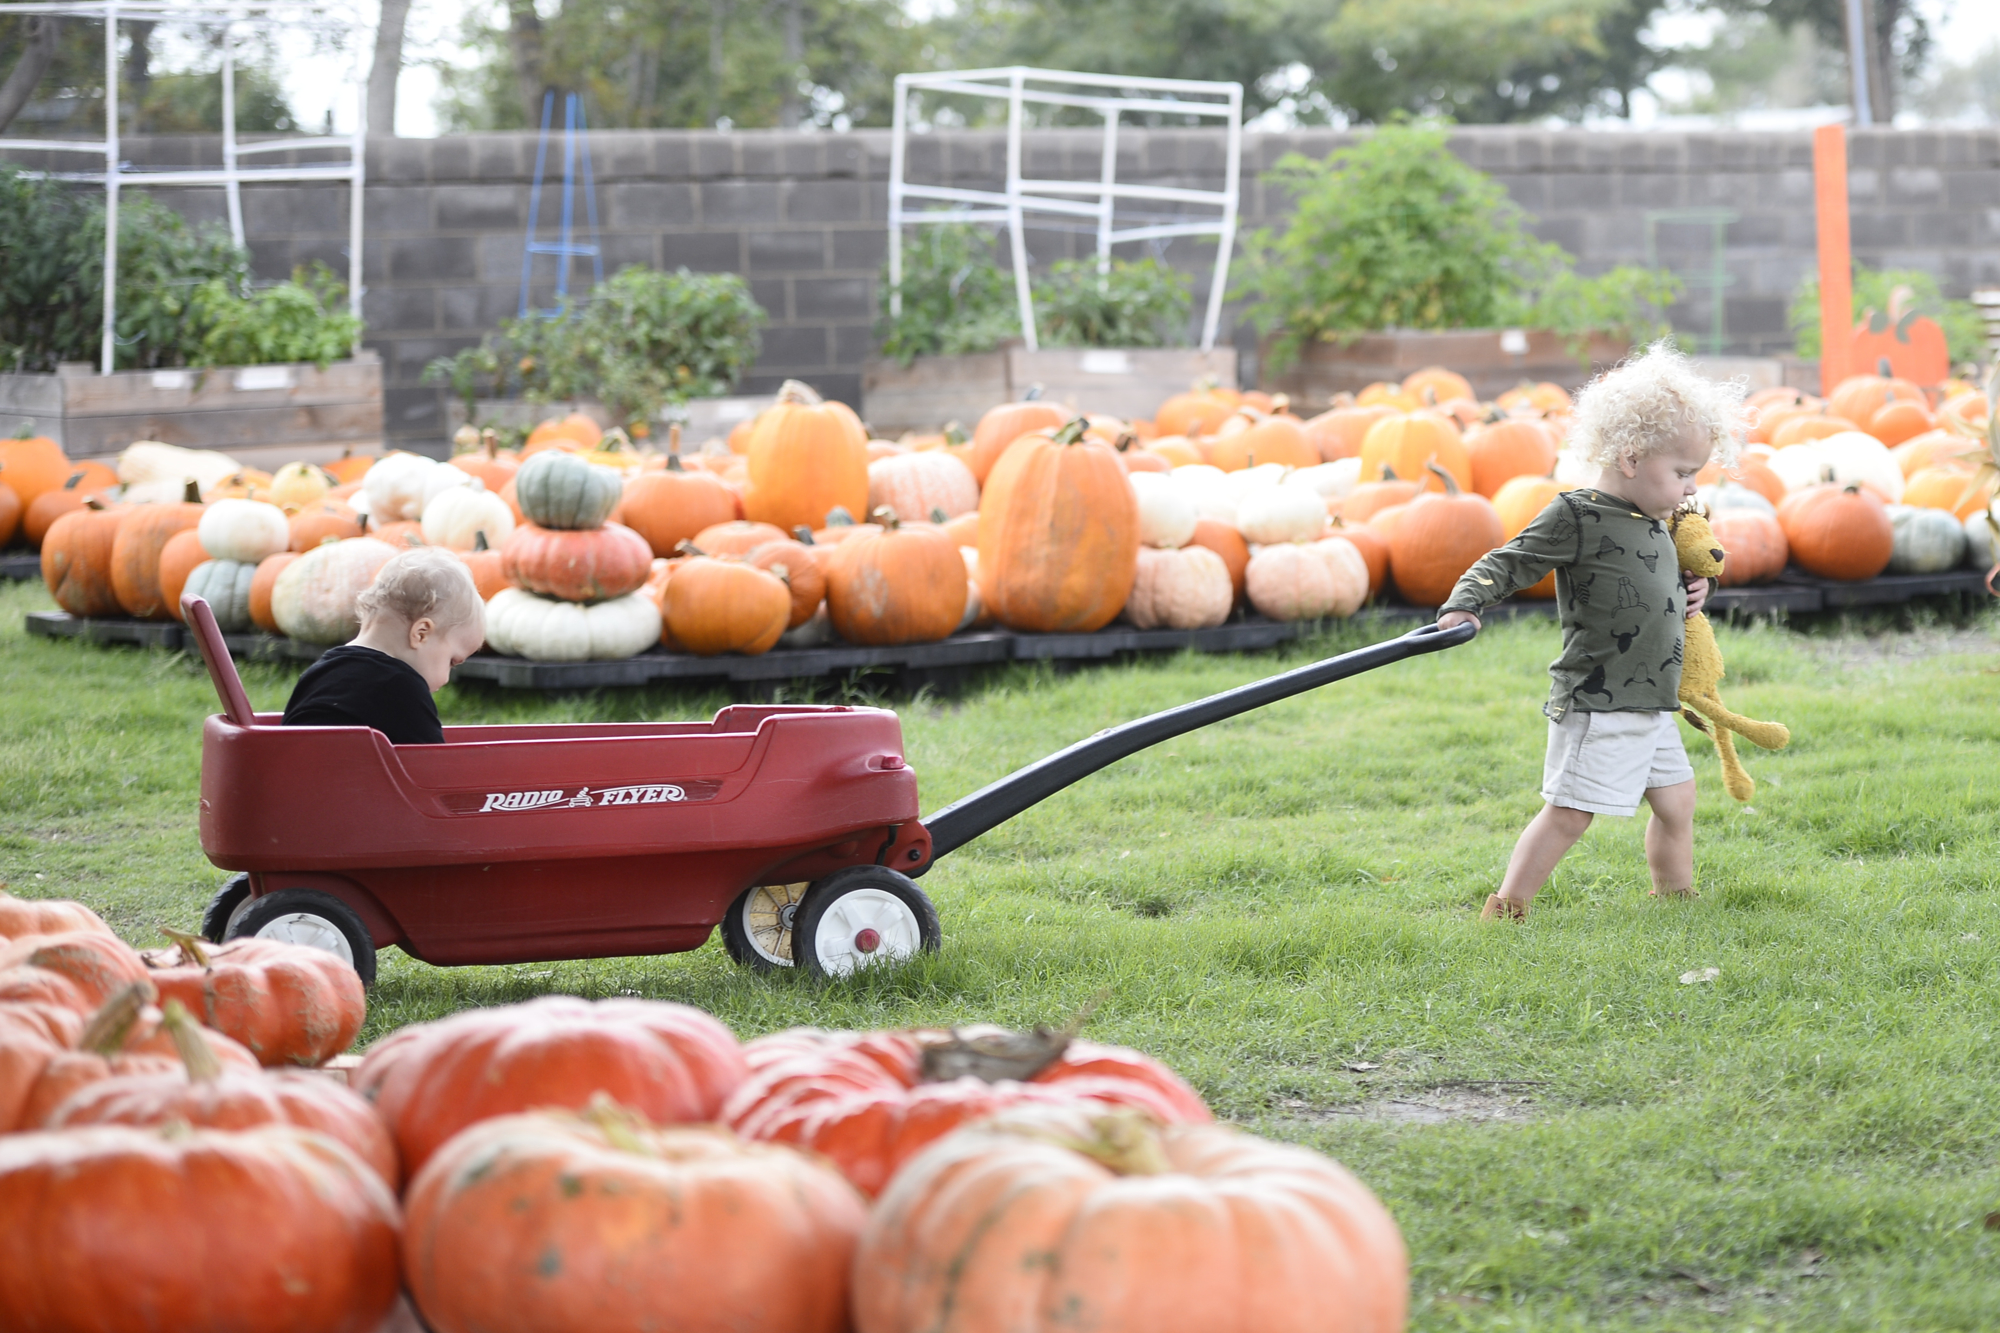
{"points": [[623, 1163]]}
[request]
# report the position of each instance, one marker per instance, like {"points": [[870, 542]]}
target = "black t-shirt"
{"points": [[352, 686]]}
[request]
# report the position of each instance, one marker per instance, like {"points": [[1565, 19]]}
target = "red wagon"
{"points": [[796, 828]]}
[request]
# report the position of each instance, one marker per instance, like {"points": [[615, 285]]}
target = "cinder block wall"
{"points": [[801, 217]]}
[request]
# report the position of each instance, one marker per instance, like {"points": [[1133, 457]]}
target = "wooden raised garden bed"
{"points": [[1125, 382], [1494, 360]]}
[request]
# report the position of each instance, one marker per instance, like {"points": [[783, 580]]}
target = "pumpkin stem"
{"points": [[954, 433], [1073, 432], [838, 517], [193, 1048], [1034, 394], [94, 503], [799, 394], [686, 547], [673, 439], [938, 516], [886, 517], [621, 1127], [1123, 1141], [192, 952], [1450, 482], [1389, 473], [108, 1028], [804, 535], [74, 478], [673, 463], [1280, 402], [192, 495], [479, 541]]}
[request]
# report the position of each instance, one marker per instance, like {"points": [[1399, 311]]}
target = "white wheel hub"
{"points": [[863, 927], [767, 921], [315, 932]]}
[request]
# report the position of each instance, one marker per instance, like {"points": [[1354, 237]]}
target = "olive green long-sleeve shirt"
{"points": [[1618, 592]]}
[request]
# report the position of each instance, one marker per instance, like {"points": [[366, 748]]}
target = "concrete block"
{"points": [[863, 248], [715, 157], [846, 157], [464, 309], [412, 414], [389, 208], [1915, 184], [759, 157], [853, 344], [703, 251], [1761, 230], [1749, 315], [400, 161], [622, 249], [621, 155], [775, 296], [451, 159], [1649, 190], [432, 258], [794, 347], [488, 207], [833, 298], [1529, 191], [1871, 228], [827, 201], [1971, 190], [497, 157], [648, 204], [1931, 227], [1580, 192], [734, 203], [400, 309], [673, 156], [803, 157], [787, 251], [923, 159]]}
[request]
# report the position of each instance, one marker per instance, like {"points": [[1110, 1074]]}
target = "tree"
{"points": [[1900, 37], [37, 40], [388, 66]]}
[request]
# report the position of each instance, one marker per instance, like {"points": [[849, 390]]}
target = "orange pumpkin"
{"points": [[1838, 532], [1934, 448], [1383, 523], [1338, 432], [323, 520], [1947, 486], [799, 567], [1503, 450], [1226, 542], [1058, 534], [22, 917], [1809, 426], [1901, 420], [261, 584], [288, 1004], [725, 606], [1271, 439], [902, 584], [1435, 384], [243, 484], [10, 513], [1003, 425], [350, 467], [486, 565], [1107, 1221], [1748, 471], [1196, 412], [581, 565], [806, 457], [489, 463], [85, 481], [1407, 446], [1860, 397], [142, 534], [736, 537], [1178, 450], [405, 532], [1385, 394], [76, 560], [1438, 538], [1542, 397], [963, 530], [1371, 497], [672, 505], [1517, 503], [32, 464], [178, 559], [1137, 458], [1754, 546], [1374, 548]]}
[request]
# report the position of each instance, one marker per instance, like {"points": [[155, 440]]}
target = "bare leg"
{"points": [[1670, 840], [1543, 843]]}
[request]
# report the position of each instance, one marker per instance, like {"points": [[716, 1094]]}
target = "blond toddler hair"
{"points": [[423, 581], [1653, 402]]}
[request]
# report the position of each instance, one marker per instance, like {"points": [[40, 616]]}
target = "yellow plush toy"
{"points": [[1701, 667]]}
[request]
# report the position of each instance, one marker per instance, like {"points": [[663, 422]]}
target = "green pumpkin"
{"points": [[560, 490], [225, 586]]}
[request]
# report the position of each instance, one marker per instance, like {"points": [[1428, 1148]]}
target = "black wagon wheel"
{"points": [[314, 919], [863, 916], [757, 928], [228, 900]]}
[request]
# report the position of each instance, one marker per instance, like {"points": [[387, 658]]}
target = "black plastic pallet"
{"points": [[143, 633], [20, 566]]}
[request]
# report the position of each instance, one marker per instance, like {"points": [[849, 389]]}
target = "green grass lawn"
{"points": [[1285, 907]]}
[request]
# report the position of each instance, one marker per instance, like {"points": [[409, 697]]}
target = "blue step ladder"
{"points": [[566, 248]]}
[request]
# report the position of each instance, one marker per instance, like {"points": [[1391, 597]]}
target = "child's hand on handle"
{"points": [[1453, 619], [1697, 590]]}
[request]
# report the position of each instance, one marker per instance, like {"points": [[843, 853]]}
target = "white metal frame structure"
{"points": [[1111, 96], [229, 15]]}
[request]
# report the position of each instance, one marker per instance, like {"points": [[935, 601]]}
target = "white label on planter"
{"points": [[170, 379], [1514, 342], [251, 379], [1106, 363]]}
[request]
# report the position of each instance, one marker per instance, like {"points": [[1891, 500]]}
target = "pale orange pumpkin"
{"points": [[1338, 432], [1517, 503], [178, 559], [806, 456], [32, 464], [1370, 497], [916, 486], [902, 584], [736, 537], [1809, 426], [1407, 445], [1901, 420], [1002, 425], [1196, 412], [1226, 542], [1749, 471], [323, 520], [1268, 439], [1859, 397], [1754, 546], [1435, 385]]}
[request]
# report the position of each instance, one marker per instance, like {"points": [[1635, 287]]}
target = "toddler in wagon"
{"points": [[420, 618], [1649, 426]]}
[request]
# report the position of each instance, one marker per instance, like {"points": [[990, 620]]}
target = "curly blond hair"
{"points": [[1652, 402], [423, 581]]}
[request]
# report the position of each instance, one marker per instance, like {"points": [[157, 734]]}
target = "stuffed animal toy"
{"points": [[1701, 666]]}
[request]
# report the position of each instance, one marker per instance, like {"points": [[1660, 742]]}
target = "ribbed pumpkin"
{"points": [[296, 485], [312, 599], [899, 585], [320, 521], [671, 505], [544, 629], [1860, 397], [289, 1004], [1438, 538], [726, 606], [179, 558], [1509, 448], [1308, 580], [1226, 542], [22, 917], [603, 1221], [1927, 541], [30, 465], [261, 586], [1435, 384], [1371, 497], [1075, 1217], [1754, 546], [1517, 503], [1373, 548], [800, 569], [556, 489], [1900, 421], [1809, 426], [806, 456], [919, 486], [225, 586], [1338, 433], [737, 537], [1186, 588], [587, 565], [1407, 445], [1838, 532], [1196, 412], [1058, 534], [142, 533], [1268, 439], [1955, 488]]}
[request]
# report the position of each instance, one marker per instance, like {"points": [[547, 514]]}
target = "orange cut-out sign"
{"points": [[1913, 346]]}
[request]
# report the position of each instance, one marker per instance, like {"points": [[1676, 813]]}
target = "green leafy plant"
{"points": [[1396, 232], [956, 298], [638, 343], [305, 319], [1136, 303], [1964, 333]]}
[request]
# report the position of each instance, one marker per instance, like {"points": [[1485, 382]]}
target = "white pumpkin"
{"points": [[811, 633], [1268, 515], [225, 586], [1292, 582], [1245, 480], [1329, 481], [976, 615], [396, 486], [920, 485], [155, 473], [1167, 512], [1724, 497], [296, 485], [457, 515], [1209, 488], [313, 599], [1851, 456], [543, 629], [1188, 588], [1349, 568], [1927, 541], [246, 530], [1980, 548]]}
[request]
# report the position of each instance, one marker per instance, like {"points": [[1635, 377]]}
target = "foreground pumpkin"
{"points": [[806, 456], [76, 969], [869, 1101], [669, 1062], [602, 1221], [291, 1005], [22, 917], [672, 505], [1060, 1218], [902, 584], [121, 1230], [1438, 538], [1058, 534], [206, 1094]]}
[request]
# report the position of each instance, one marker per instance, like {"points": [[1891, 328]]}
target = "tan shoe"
{"points": [[1503, 909], [1683, 895]]}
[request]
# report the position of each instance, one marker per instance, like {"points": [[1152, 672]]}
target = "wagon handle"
{"points": [[214, 652], [997, 802]]}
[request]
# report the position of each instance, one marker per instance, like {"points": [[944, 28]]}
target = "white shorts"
{"points": [[1606, 762]]}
